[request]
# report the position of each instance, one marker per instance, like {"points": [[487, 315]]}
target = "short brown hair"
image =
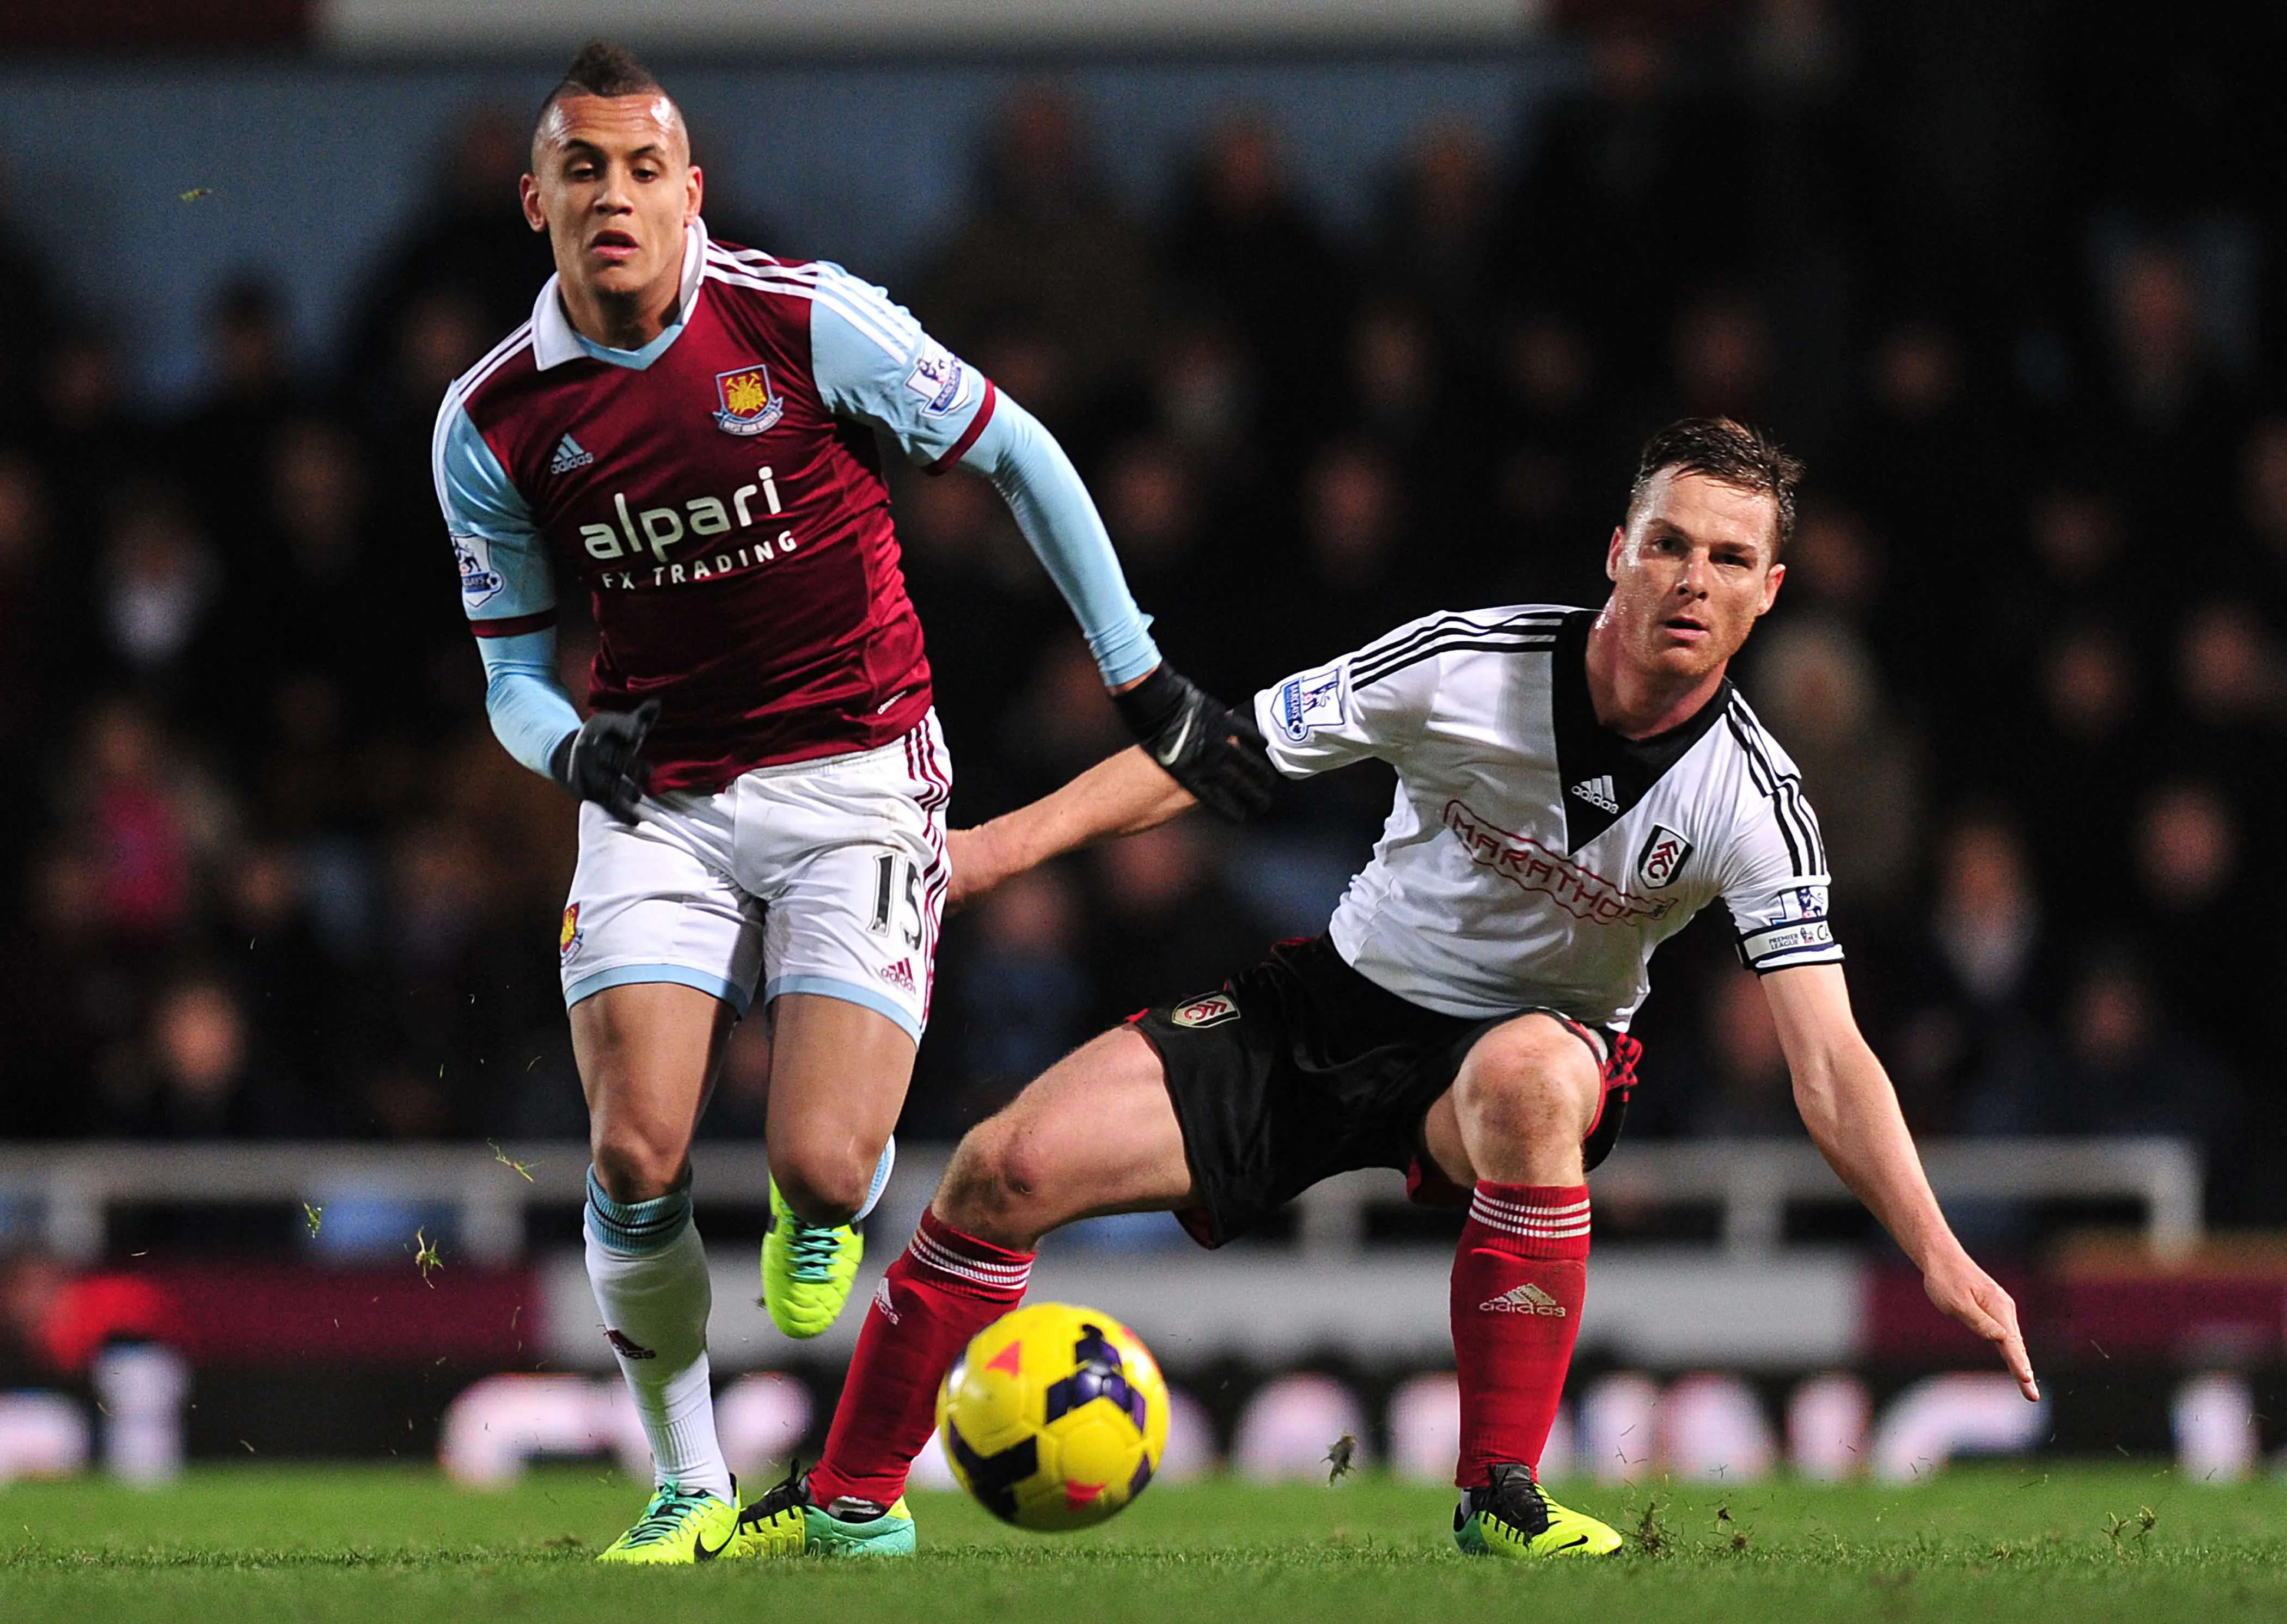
{"points": [[602, 68], [1728, 452]]}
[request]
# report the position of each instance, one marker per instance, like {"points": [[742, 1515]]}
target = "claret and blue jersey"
{"points": [[720, 495]]}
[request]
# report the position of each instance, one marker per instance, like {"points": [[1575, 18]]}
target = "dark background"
{"points": [[2009, 277]]}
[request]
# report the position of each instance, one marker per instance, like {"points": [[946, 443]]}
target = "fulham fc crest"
{"points": [[747, 405], [1214, 1008], [1663, 857]]}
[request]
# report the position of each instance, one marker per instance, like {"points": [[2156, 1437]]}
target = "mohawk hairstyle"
{"points": [[604, 68], [1729, 452]]}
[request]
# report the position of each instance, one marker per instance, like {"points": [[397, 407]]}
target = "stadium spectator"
{"points": [[1815, 685], [1045, 249], [2191, 890], [1435, 235], [1746, 1092], [1972, 1030], [468, 240], [1164, 920], [2131, 1070], [206, 1078], [2066, 773], [1244, 244], [1021, 998], [220, 447], [31, 641]]}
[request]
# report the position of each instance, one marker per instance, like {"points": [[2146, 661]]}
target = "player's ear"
{"points": [[527, 192], [1772, 577], [1612, 551], [694, 194]]}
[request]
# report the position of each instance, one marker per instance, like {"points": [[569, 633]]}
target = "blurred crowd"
{"points": [[2010, 282]]}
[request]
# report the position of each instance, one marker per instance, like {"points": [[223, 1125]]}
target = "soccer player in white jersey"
{"points": [[1573, 786], [686, 429]]}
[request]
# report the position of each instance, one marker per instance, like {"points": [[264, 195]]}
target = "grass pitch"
{"points": [[253, 1544]]}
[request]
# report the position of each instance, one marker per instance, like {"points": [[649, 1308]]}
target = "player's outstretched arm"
{"points": [[1125, 794], [1212, 751], [1852, 1112], [871, 361]]}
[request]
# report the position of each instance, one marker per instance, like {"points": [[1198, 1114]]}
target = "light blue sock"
{"points": [[638, 1228], [880, 1180]]}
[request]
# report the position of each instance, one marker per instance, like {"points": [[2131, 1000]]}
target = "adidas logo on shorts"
{"points": [[901, 975], [1526, 1299]]}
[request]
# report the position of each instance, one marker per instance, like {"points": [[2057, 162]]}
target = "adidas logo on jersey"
{"points": [[901, 975], [1526, 1299], [569, 454], [1598, 792]]}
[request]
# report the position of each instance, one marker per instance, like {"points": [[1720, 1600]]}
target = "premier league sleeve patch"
{"points": [[1314, 700], [940, 378], [480, 583]]}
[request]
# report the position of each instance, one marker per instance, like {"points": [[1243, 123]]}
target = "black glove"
{"points": [[603, 761], [1214, 753]]}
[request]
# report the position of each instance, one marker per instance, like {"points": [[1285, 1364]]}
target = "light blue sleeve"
{"points": [[502, 557], [508, 590], [871, 361], [1052, 508], [531, 713]]}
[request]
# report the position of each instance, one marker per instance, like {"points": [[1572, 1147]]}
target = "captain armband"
{"points": [[1794, 942]]}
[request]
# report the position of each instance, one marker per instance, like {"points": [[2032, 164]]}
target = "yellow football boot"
{"points": [[679, 1526], [807, 1269], [1511, 1518], [787, 1522]]}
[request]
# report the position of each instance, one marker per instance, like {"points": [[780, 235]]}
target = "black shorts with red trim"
{"points": [[1301, 1069]]}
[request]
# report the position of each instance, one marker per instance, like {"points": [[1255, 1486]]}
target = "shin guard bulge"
{"points": [[1519, 1278], [944, 1289], [649, 1272]]}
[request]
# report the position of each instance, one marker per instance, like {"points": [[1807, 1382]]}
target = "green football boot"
{"points": [[679, 1526], [1511, 1518], [807, 1269], [787, 1522]]}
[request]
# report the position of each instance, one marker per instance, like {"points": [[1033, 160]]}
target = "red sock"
{"points": [[944, 1289], [1519, 1280]]}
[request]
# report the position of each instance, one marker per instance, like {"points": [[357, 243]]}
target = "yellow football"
{"points": [[1054, 1416]]}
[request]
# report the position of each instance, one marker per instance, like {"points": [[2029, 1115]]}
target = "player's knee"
{"points": [[824, 1184], [990, 1179], [1528, 1082], [632, 1165]]}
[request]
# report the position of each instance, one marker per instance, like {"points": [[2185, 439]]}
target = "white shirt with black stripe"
{"points": [[1534, 858]]}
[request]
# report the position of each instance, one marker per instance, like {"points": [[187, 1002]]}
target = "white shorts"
{"points": [[825, 877]]}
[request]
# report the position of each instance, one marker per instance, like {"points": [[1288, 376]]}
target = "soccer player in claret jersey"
{"points": [[687, 429], [1573, 786]]}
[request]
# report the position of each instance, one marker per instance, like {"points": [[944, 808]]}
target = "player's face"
{"points": [[1692, 572], [612, 186]]}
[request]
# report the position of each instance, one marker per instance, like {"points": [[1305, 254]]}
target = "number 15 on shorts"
{"points": [[897, 906]]}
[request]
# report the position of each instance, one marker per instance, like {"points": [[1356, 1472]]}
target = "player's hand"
{"points": [[603, 761], [1214, 752], [1970, 1295]]}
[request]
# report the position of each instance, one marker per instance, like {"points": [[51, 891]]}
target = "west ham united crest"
{"points": [[748, 405], [1663, 857]]}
